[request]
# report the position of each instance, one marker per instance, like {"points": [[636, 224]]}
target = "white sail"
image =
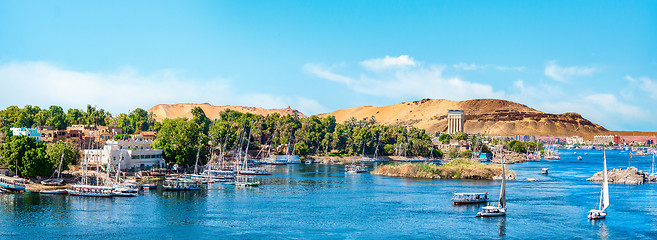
{"points": [[605, 184], [502, 203]]}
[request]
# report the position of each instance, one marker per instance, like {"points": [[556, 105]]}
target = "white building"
{"points": [[132, 155], [455, 121], [575, 140], [30, 132]]}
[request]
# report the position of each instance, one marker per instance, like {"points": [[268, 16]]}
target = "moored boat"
{"points": [[180, 185], [353, 168], [89, 190], [53, 191], [12, 183]]}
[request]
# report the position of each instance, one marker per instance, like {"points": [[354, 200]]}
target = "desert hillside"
{"points": [[486, 116], [163, 111]]}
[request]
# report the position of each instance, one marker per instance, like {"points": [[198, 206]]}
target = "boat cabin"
{"points": [[465, 198]]}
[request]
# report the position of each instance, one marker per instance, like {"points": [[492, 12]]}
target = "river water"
{"points": [[322, 202]]}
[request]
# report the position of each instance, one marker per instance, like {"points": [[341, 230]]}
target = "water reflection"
{"points": [[502, 226]]}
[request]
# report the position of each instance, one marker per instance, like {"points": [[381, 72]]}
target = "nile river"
{"points": [[322, 202]]}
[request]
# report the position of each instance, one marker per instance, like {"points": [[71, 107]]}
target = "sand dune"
{"points": [[163, 111], [487, 116]]}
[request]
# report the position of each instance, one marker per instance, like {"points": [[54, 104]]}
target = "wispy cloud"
{"points": [[562, 74], [646, 84], [44, 84], [402, 83], [469, 67], [474, 67], [388, 62]]}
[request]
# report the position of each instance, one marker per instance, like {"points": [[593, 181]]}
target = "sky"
{"points": [[596, 58]]}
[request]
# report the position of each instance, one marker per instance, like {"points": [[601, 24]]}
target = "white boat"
{"points": [[53, 191], [467, 198], [11, 183], [56, 181], [89, 191], [500, 209], [246, 182], [545, 171], [254, 171], [579, 158], [180, 185], [600, 211], [353, 168]]}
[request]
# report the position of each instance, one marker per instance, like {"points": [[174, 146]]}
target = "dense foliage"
{"points": [[33, 158], [32, 116]]}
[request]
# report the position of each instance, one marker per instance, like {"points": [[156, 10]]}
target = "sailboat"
{"points": [[84, 188], [245, 169], [56, 181], [603, 203], [500, 209]]}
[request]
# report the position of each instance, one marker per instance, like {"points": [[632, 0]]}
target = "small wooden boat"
{"points": [[53, 191], [53, 182], [254, 172], [150, 185], [469, 198]]}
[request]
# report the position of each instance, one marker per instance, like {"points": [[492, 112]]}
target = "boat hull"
{"points": [[81, 194], [12, 187], [57, 191], [460, 202], [498, 214]]}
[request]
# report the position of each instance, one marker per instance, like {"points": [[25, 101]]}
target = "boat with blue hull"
{"points": [[12, 183]]}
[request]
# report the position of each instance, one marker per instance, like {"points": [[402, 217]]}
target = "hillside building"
{"points": [[574, 140]]}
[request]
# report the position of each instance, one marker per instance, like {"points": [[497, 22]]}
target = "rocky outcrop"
{"points": [[163, 111], [630, 175], [486, 116]]}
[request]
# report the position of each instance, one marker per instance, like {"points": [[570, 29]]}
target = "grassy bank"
{"points": [[455, 169]]}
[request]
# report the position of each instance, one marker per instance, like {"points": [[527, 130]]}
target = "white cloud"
{"points": [[405, 83], [388, 62], [43, 84], [469, 67], [562, 74], [474, 67], [646, 84]]}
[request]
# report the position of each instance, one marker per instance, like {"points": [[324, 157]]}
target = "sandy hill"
{"points": [[486, 116], [163, 111]]}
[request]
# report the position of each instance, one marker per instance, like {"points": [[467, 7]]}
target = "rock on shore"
{"points": [[630, 175]]}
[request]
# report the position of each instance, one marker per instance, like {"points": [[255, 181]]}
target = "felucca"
{"points": [[500, 209], [600, 211]]}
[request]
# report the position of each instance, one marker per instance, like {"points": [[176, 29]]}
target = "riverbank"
{"points": [[454, 169]]}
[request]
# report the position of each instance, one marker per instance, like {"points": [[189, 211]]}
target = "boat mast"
{"points": [[605, 184], [246, 152]]}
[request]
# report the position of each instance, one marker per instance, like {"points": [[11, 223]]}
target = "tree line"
{"points": [[183, 139], [29, 116]]}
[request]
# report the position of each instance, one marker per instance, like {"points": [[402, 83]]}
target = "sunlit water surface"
{"points": [[321, 201]]}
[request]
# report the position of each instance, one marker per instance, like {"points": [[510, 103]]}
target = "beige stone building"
{"points": [[455, 121]]}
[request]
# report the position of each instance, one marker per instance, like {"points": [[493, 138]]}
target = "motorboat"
{"points": [[180, 185], [53, 191], [545, 171], [353, 168], [468, 198]]}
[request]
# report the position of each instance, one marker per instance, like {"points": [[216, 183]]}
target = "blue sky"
{"points": [[597, 58]]}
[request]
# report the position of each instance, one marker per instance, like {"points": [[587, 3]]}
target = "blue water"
{"points": [[322, 202]]}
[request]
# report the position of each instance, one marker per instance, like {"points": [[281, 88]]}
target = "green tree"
{"points": [[180, 140], [445, 138], [55, 150], [26, 156], [200, 119], [302, 149]]}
